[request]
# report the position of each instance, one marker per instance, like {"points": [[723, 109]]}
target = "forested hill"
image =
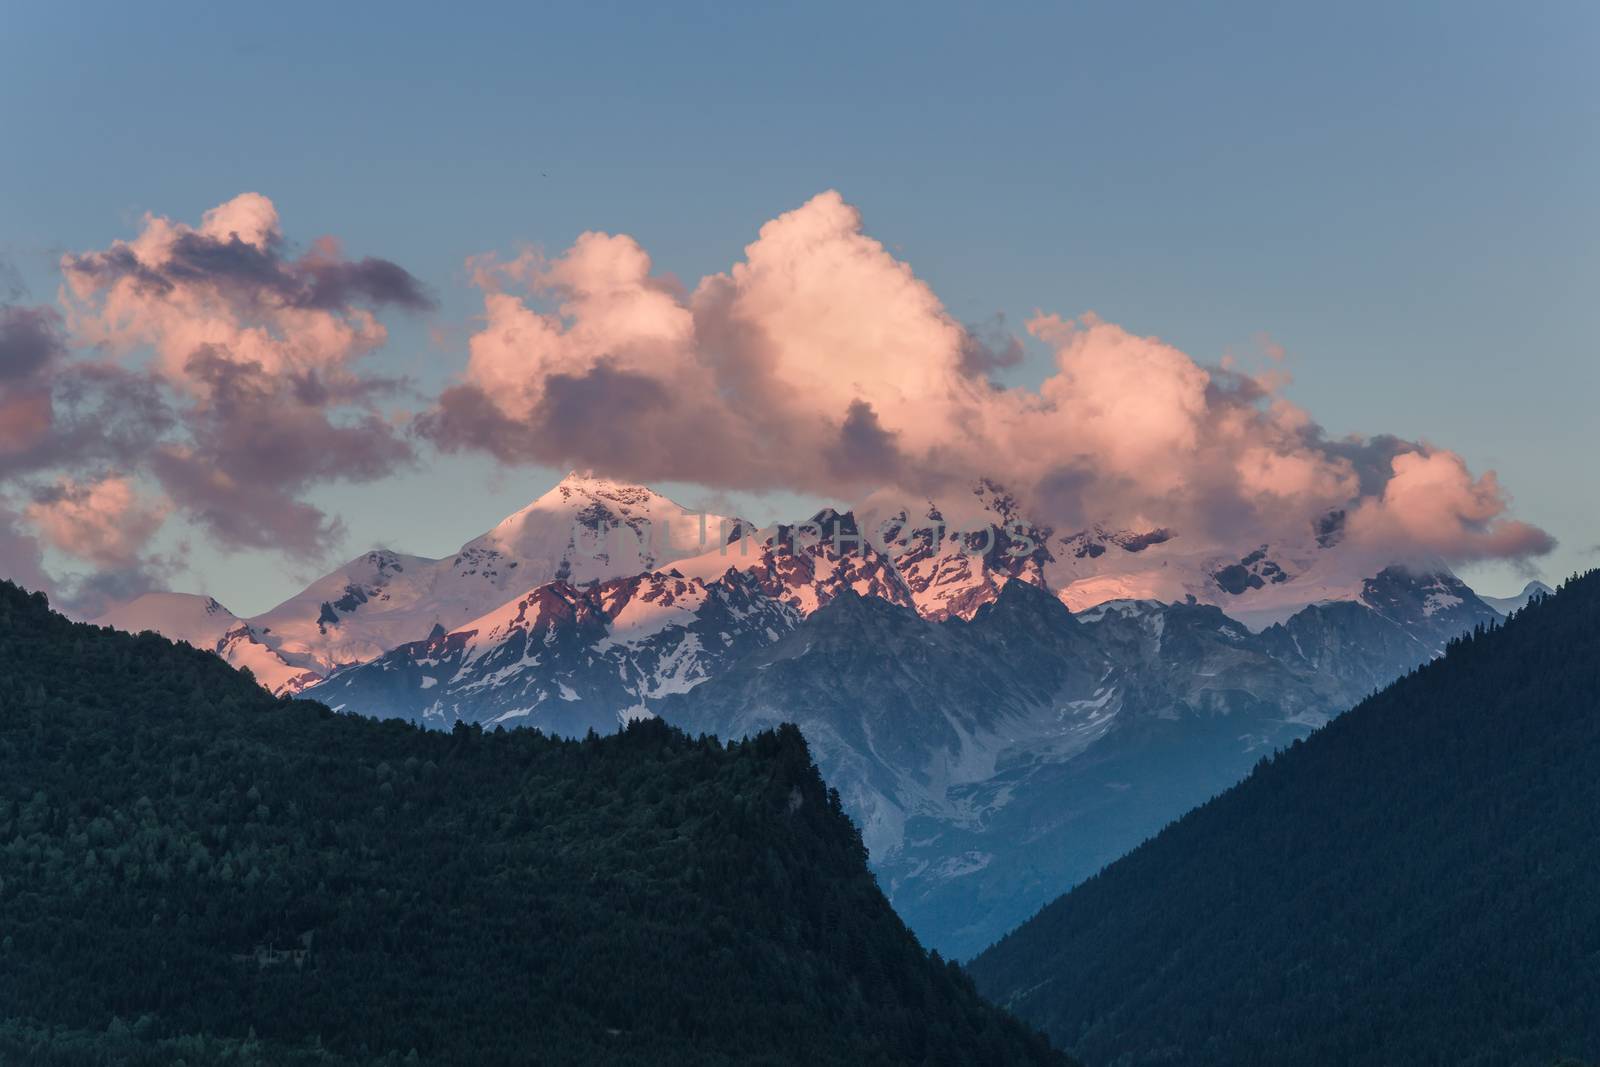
{"points": [[191, 870], [1417, 883]]}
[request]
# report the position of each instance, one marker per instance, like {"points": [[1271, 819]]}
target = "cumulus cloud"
{"points": [[219, 373], [105, 522], [29, 340], [819, 340], [229, 286], [821, 363], [53, 415], [255, 442], [1432, 500], [213, 362], [30, 347], [21, 555], [261, 352]]}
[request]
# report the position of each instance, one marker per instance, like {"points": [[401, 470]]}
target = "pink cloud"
{"points": [[258, 357], [228, 286], [30, 351], [105, 522], [821, 362], [1434, 502]]}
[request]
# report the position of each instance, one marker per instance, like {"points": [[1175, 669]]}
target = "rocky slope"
{"points": [[993, 762], [566, 658], [1414, 884]]}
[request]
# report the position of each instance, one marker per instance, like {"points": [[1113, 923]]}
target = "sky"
{"points": [[1376, 218]]}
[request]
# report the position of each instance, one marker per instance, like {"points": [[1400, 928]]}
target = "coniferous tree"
{"points": [[192, 870]]}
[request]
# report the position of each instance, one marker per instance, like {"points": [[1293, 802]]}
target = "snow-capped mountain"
{"points": [[944, 558], [1505, 605], [203, 623], [566, 658], [954, 554], [584, 529], [954, 559], [1400, 619], [369, 605], [805, 565], [994, 746], [589, 529], [1258, 583], [992, 762]]}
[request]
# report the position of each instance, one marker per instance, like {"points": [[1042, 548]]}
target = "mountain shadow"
{"points": [[1414, 883]]}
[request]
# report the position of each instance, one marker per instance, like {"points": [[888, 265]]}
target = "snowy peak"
{"points": [[588, 528], [647, 603], [1155, 563], [556, 608], [641, 607], [364, 608], [583, 530], [368, 579], [955, 557], [192, 618], [657, 567], [567, 658], [1260, 583], [805, 565], [1434, 599], [201, 622], [1402, 617]]}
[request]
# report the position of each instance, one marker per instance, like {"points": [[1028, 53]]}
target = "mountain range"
{"points": [[583, 530], [992, 763], [1004, 708]]}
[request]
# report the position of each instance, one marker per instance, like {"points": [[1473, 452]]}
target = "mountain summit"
{"points": [[583, 529]]}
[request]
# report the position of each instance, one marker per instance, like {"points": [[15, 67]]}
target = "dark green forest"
{"points": [[1417, 883], [194, 871]]}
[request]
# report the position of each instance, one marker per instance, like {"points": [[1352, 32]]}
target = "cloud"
{"points": [[629, 374], [864, 448], [54, 415], [21, 555], [229, 286], [1434, 502], [30, 346], [105, 521], [989, 346], [821, 363], [218, 372], [29, 341], [81, 416], [210, 361], [256, 442]]}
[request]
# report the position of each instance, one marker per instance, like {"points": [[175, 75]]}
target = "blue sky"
{"points": [[1400, 195]]}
